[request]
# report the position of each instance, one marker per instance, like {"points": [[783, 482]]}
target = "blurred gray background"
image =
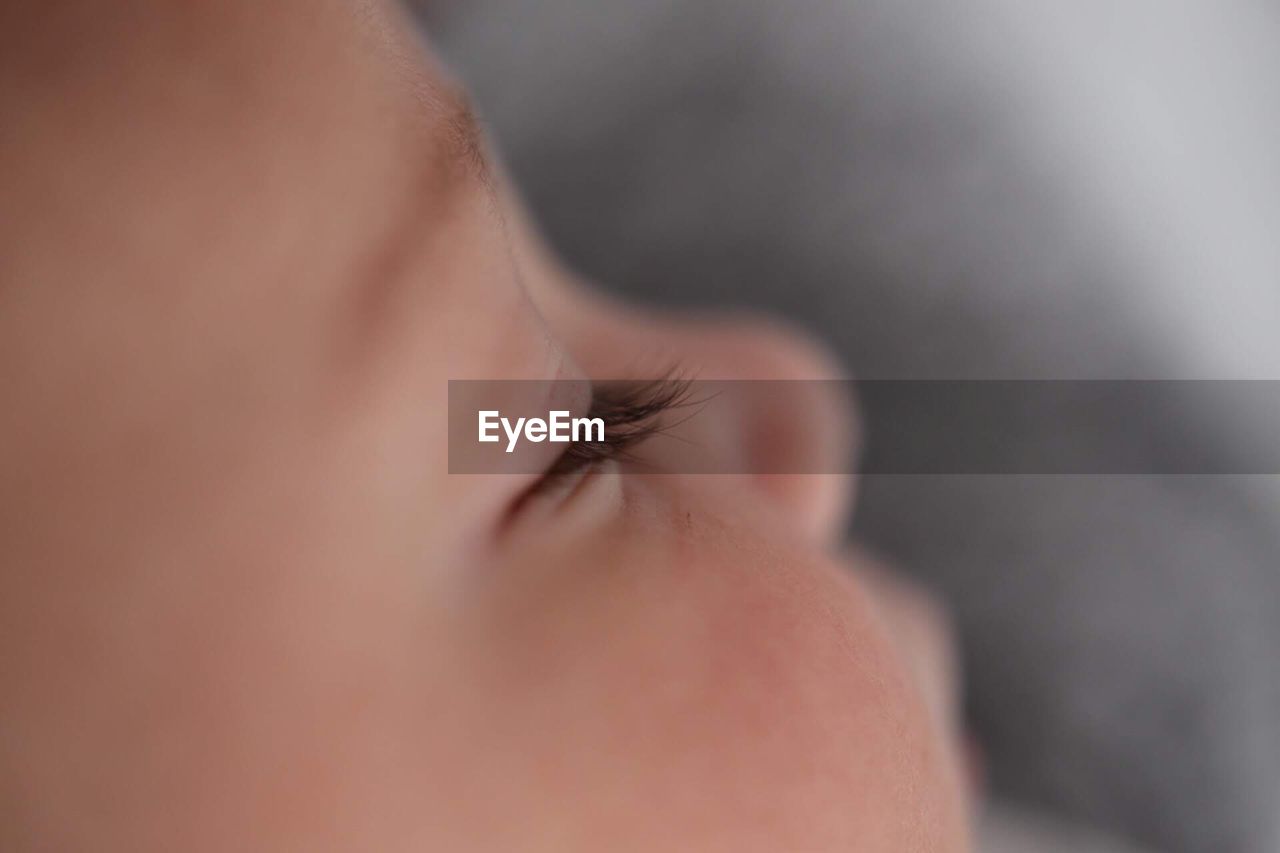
{"points": [[974, 189]]}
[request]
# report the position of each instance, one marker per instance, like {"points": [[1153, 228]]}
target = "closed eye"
{"points": [[631, 412]]}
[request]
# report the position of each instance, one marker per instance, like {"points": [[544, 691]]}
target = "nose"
{"points": [[796, 438], [799, 436], [794, 422]]}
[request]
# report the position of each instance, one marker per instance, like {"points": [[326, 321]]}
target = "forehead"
{"points": [[270, 204], [287, 126], [271, 157]]}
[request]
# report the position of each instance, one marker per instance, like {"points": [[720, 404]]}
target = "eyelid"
{"points": [[631, 411]]}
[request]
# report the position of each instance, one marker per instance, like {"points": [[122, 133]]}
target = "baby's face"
{"points": [[243, 603]]}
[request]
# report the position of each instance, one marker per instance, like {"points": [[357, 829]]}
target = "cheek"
{"points": [[700, 689]]}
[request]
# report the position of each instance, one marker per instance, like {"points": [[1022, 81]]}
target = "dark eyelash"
{"points": [[631, 412]]}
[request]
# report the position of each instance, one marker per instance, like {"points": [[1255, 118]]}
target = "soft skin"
{"points": [[243, 605]]}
